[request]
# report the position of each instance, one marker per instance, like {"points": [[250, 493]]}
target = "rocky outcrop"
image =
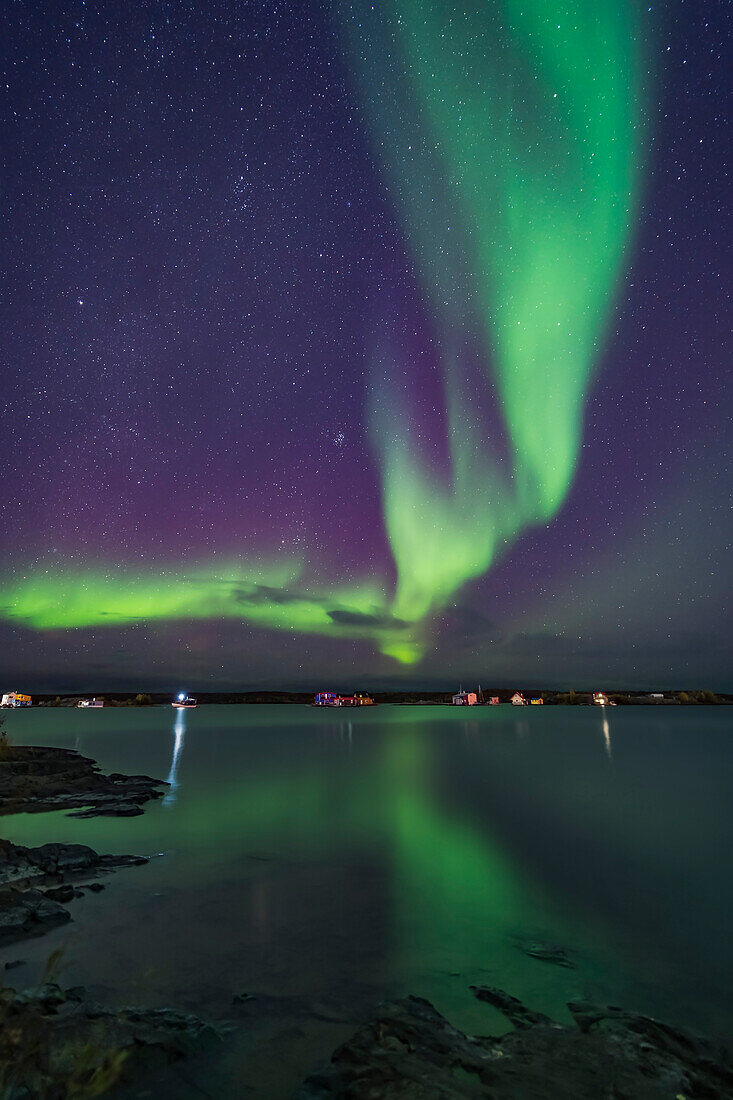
{"points": [[35, 884], [56, 862], [54, 1042], [25, 913], [34, 779], [409, 1050]]}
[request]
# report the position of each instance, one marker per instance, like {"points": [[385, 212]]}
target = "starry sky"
{"points": [[364, 345]]}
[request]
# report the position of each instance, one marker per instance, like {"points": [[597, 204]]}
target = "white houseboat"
{"points": [[15, 699]]}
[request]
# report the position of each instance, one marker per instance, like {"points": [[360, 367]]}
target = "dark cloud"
{"points": [[266, 594], [361, 618]]}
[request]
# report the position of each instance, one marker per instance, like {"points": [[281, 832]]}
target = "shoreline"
{"points": [[549, 697], [36, 779], [37, 883], [55, 1041], [408, 1048]]}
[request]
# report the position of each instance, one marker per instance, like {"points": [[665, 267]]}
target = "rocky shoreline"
{"points": [[56, 1042], [35, 779], [36, 884], [408, 1049]]}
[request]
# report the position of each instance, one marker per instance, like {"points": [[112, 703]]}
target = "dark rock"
{"points": [[61, 859], [49, 995], [50, 863], [182, 1030], [58, 862], [35, 779], [515, 1012], [28, 913], [110, 808], [546, 952], [61, 893], [263, 1006], [15, 962], [408, 1050], [117, 1045]]}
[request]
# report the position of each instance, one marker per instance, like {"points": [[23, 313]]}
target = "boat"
{"points": [[184, 702], [83, 703]]}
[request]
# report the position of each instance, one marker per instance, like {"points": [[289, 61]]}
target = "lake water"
{"points": [[325, 860]]}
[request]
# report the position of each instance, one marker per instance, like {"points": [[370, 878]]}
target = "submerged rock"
{"points": [[266, 1006], [546, 952], [408, 1050], [61, 893], [516, 1013]]}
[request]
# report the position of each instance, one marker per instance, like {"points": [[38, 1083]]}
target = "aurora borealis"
{"points": [[512, 138], [357, 342]]}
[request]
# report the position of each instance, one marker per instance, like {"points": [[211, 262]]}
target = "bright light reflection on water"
{"points": [[607, 737], [179, 732]]}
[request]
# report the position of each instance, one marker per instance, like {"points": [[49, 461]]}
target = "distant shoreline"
{"points": [[426, 698]]}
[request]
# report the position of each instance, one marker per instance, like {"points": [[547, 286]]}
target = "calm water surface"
{"points": [[325, 860]]}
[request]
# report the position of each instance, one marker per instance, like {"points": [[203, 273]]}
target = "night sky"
{"points": [[364, 345]]}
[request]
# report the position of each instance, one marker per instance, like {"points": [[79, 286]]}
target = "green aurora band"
{"points": [[265, 594], [510, 137]]}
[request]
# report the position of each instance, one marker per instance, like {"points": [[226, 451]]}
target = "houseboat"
{"points": [[518, 700], [15, 699], [184, 702], [327, 699], [330, 699], [464, 698]]}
